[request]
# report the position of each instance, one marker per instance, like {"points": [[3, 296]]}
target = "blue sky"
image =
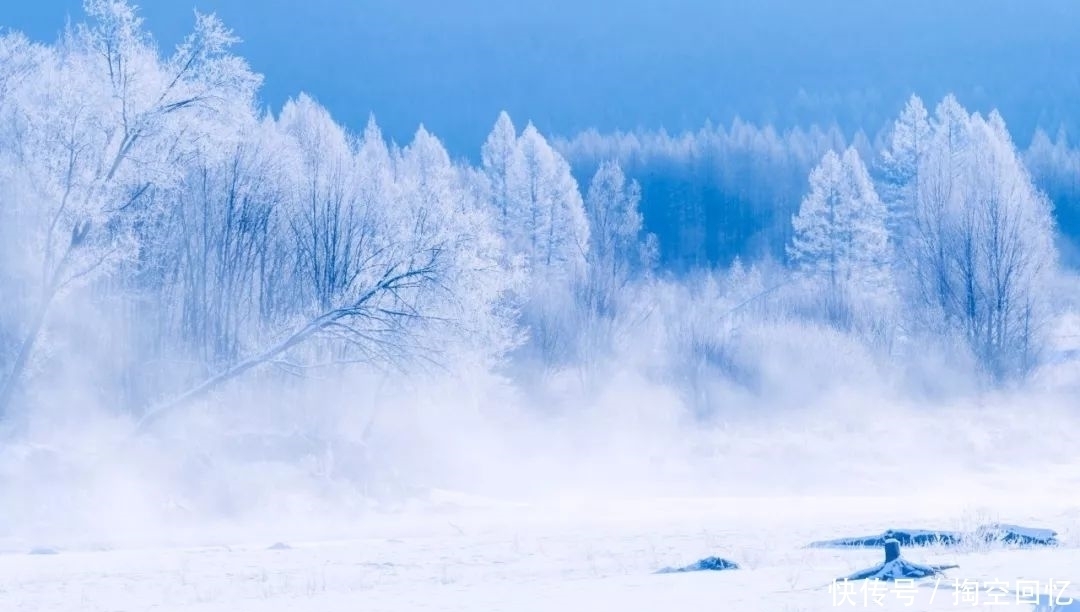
{"points": [[573, 64]]}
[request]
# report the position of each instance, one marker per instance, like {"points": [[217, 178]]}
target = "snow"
{"points": [[501, 556], [583, 530]]}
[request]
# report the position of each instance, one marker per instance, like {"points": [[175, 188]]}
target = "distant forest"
{"points": [[726, 192]]}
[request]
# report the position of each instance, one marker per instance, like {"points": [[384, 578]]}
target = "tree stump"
{"points": [[896, 567], [892, 550]]}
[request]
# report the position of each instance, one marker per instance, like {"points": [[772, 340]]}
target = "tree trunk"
{"points": [[892, 550], [51, 288], [232, 372], [7, 391]]}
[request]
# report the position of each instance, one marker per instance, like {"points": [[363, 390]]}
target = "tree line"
{"points": [[162, 235]]}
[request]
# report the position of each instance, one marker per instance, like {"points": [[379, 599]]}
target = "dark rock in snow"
{"points": [[280, 546], [988, 534], [44, 550], [896, 567], [708, 564]]}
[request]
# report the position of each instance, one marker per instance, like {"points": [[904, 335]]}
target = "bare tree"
{"points": [[103, 122], [983, 248]]}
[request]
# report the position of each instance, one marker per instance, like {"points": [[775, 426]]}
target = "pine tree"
{"points": [[618, 247], [906, 149], [504, 167], [554, 217], [840, 238]]}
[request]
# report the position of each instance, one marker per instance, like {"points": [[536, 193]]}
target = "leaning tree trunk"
{"points": [[26, 348]]}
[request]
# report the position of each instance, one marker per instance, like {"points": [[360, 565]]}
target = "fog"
{"points": [[337, 457]]}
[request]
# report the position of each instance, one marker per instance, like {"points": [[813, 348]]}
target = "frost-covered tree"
{"points": [[213, 261], [840, 240], [983, 250], [101, 127], [621, 257], [555, 221], [537, 202], [327, 223], [504, 167], [619, 246], [201, 239], [393, 258], [470, 312], [906, 148], [542, 222], [1055, 168]]}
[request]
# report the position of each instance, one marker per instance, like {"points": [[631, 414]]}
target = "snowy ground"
{"points": [[475, 554]]}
